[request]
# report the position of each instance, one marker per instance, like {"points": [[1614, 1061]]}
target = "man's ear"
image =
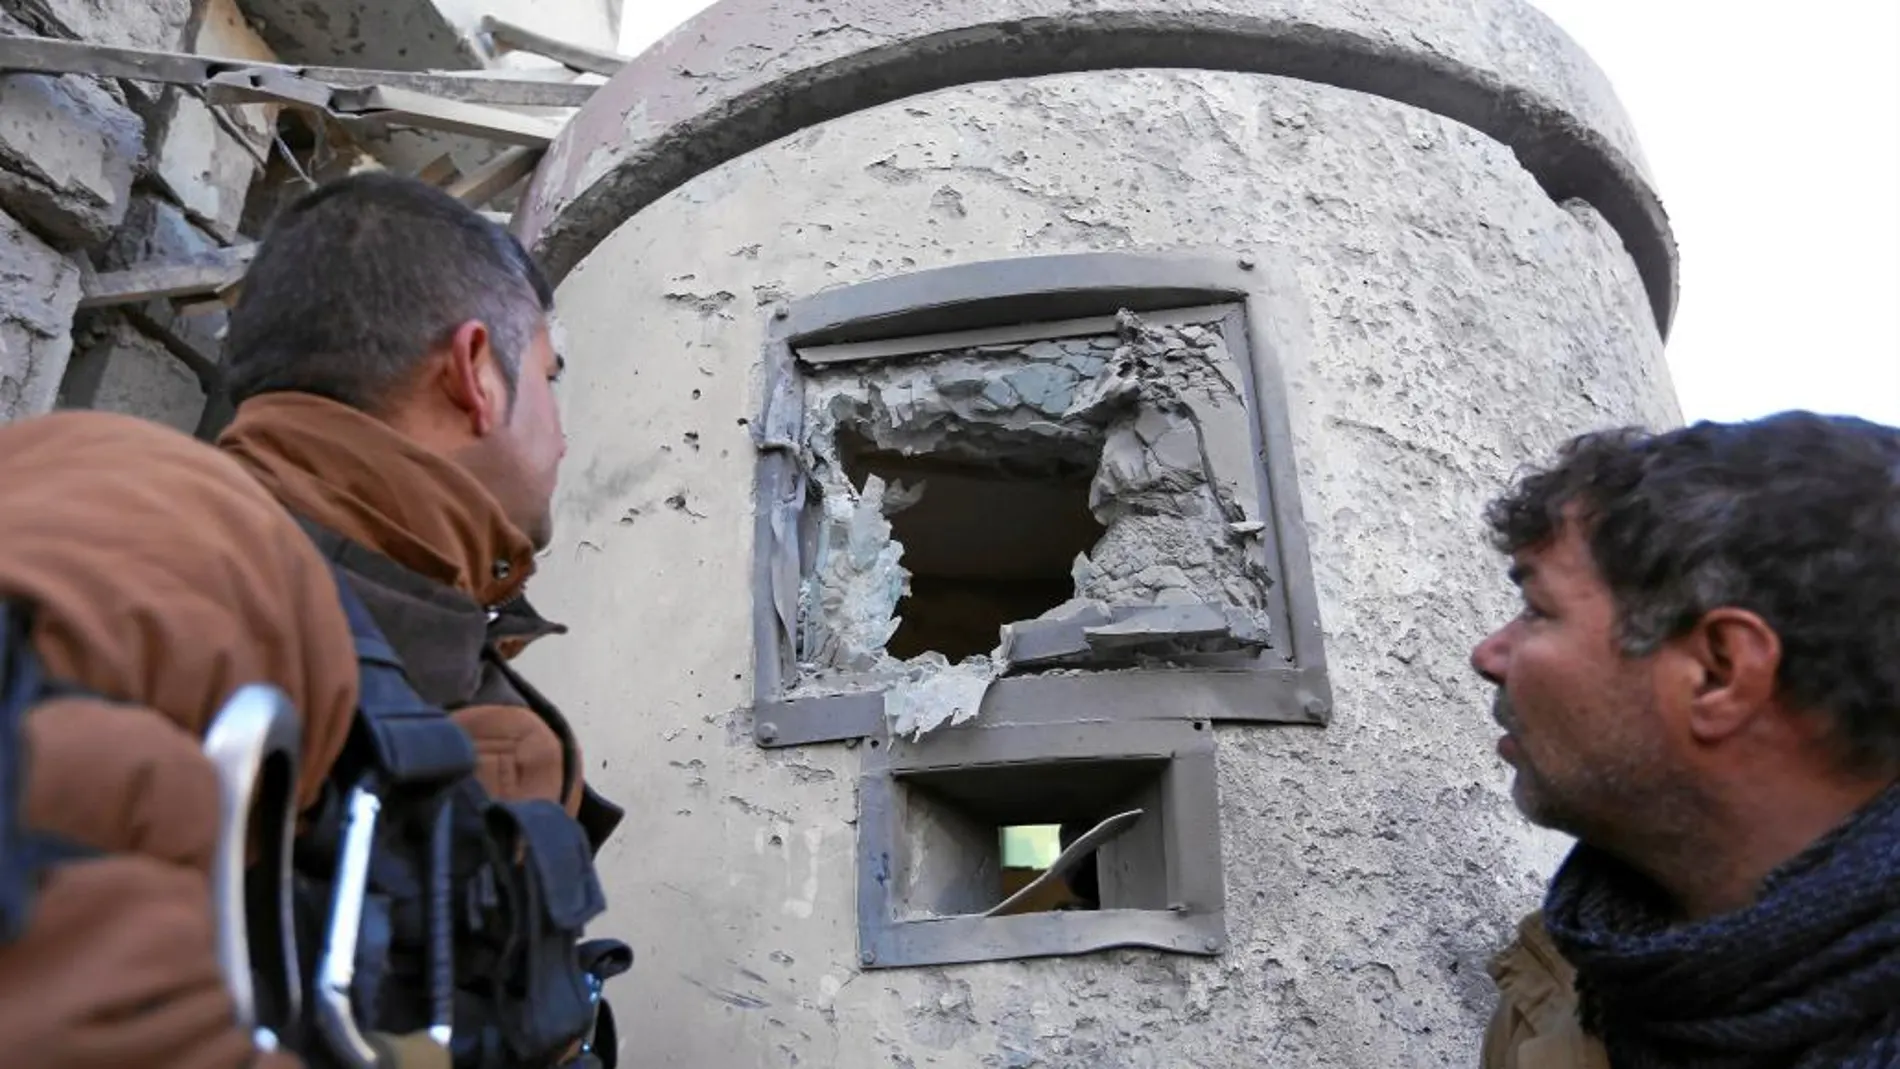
{"points": [[472, 378], [1735, 657]]}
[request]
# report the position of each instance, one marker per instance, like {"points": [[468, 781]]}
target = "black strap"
{"points": [[539, 868], [25, 855], [412, 742], [556, 893], [19, 688]]}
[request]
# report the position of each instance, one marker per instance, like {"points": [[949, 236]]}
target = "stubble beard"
{"points": [[1620, 793]]}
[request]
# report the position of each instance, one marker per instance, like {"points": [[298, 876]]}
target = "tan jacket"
{"points": [[1535, 1026], [165, 573]]}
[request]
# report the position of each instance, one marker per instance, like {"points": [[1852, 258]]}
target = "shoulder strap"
{"points": [[598, 816], [411, 742]]}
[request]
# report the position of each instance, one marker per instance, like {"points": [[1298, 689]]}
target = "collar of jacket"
{"points": [[354, 474]]}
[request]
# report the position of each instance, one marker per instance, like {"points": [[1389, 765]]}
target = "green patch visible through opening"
{"points": [[1031, 846]]}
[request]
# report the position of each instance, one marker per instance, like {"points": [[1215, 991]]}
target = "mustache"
{"points": [[1502, 713]]}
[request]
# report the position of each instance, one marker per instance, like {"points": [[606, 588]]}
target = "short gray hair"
{"points": [[358, 280]]}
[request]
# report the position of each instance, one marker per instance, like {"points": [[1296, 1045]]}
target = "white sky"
{"points": [[1774, 135]]}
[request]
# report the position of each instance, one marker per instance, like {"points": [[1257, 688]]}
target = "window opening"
{"points": [[989, 536], [1000, 841], [1011, 507]]}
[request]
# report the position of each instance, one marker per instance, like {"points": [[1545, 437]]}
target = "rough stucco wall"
{"points": [[1439, 319]]}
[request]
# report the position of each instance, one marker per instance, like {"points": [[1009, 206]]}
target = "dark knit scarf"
{"points": [[1806, 977]]}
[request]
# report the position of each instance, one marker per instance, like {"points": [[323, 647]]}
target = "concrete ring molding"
{"points": [[745, 73]]}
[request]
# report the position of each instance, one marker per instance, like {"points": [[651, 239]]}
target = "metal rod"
{"points": [[441, 932], [336, 973], [1068, 860]]}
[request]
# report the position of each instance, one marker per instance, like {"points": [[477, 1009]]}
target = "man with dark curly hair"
{"points": [[1703, 688]]}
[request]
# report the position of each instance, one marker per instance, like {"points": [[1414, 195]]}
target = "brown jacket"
{"points": [[165, 573], [1536, 1026], [430, 553]]}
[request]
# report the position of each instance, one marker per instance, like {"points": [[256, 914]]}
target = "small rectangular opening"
{"points": [[976, 837]]}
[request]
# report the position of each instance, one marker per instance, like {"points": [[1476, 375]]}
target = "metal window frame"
{"points": [[1189, 845], [1022, 299]]}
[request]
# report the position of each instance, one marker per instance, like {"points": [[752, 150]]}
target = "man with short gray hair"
{"points": [[1703, 686]]}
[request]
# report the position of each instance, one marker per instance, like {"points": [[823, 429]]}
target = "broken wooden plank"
{"points": [[509, 37], [47, 55], [209, 275], [495, 177], [441, 170]]}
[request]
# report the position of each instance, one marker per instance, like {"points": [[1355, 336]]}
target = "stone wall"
{"points": [[102, 175]]}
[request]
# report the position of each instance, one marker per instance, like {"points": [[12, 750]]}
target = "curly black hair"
{"points": [[1795, 517]]}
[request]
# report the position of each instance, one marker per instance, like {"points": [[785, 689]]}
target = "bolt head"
{"points": [[869, 957], [781, 312], [1314, 707], [1246, 261], [768, 732], [1211, 944]]}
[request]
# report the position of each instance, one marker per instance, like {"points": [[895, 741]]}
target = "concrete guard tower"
{"points": [[1006, 414]]}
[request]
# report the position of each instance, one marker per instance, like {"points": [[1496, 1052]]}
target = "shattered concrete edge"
{"points": [[745, 73], [1154, 408], [1061, 287]]}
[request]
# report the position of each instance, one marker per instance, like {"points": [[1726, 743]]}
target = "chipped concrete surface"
{"points": [[125, 371], [374, 34], [203, 166], [1141, 407], [1439, 321]]}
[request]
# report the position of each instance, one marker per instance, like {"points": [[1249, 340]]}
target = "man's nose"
{"points": [[1490, 657]]}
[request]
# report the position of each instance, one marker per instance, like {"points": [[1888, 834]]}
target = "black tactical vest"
{"points": [[475, 908]]}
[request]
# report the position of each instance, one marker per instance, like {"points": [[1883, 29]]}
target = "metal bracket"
{"points": [[928, 813], [804, 721], [1068, 861]]}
